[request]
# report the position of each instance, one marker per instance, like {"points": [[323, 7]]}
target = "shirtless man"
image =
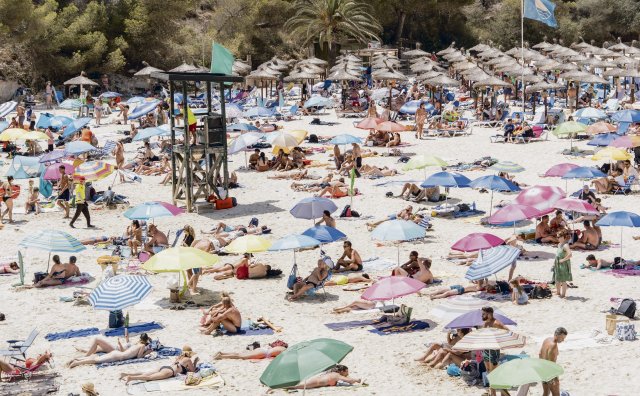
{"points": [[404, 214], [412, 266], [350, 259], [156, 238], [491, 356], [64, 191], [331, 378], [228, 316], [592, 261], [316, 277], [558, 223], [590, 240], [549, 351], [327, 219], [118, 152], [424, 274], [457, 290], [543, 231]]}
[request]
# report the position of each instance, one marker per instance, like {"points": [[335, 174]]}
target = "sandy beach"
{"points": [[385, 362]]}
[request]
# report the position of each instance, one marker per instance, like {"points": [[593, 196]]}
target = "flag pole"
{"points": [[522, 57]]}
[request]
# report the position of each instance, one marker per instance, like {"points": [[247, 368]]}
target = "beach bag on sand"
{"points": [[293, 277], [627, 308], [470, 373], [626, 331]]}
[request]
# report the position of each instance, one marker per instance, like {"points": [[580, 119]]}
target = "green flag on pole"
{"points": [[352, 175], [221, 59]]}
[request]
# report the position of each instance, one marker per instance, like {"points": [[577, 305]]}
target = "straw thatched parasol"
{"points": [[147, 70], [491, 82], [442, 81], [447, 50], [414, 53], [183, 68], [80, 80]]}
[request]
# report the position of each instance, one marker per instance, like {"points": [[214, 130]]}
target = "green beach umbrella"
{"points": [[569, 128], [506, 166], [424, 161], [523, 371], [302, 361]]}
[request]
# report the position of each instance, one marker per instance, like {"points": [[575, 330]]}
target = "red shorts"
{"points": [[192, 128]]}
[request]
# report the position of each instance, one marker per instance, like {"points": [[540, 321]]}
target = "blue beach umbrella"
{"points": [[345, 138], [52, 241], [494, 183], [163, 130], [136, 99], [241, 126], [75, 125], [119, 292], [143, 109], [584, 172], [318, 101], [70, 104], [52, 156], [492, 261], [78, 147], [412, 106], [398, 231], [110, 94], [294, 242], [312, 208], [3, 125], [620, 219], [446, 179], [629, 116], [590, 112], [60, 121], [324, 234], [232, 110], [151, 210], [603, 139], [258, 112]]}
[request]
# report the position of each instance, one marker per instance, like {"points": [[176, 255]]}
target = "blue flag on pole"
{"points": [[541, 10]]}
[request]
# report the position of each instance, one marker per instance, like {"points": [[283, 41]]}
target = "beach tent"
{"points": [[24, 167]]}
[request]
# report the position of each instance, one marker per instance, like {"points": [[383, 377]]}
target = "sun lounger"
{"points": [[19, 347]]}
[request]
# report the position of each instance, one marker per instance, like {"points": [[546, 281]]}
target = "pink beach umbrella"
{"points": [[53, 171], [392, 287], [540, 197], [513, 213], [626, 142], [576, 205], [369, 123], [390, 126], [559, 170], [477, 241]]}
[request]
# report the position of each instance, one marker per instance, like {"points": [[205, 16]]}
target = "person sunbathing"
{"points": [[102, 345], [394, 140], [543, 232], [409, 190], [341, 280], [424, 274], [558, 223], [33, 201], [227, 316], [313, 187], [606, 184], [31, 363], [59, 272], [358, 305], [228, 270], [374, 171], [436, 354], [295, 175], [404, 214], [182, 365], [336, 191], [270, 351], [157, 239], [327, 219], [207, 315], [134, 233], [337, 375], [136, 351], [431, 194], [350, 259], [10, 268], [456, 290], [317, 276], [592, 261]]}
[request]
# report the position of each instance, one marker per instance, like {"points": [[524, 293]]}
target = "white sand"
{"points": [[385, 362]]}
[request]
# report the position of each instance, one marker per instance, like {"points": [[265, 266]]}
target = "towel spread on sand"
{"points": [[354, 324], [414, 325], [173, 385], [139, 328], [378, 264], [72, 334], [162, 353]]}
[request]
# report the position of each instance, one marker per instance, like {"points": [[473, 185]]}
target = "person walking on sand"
{"points": [[64, 191], [81, 202], [7, 187], [48, 94], [562, 265], [549, 351], [118, 152], [421, 117]]}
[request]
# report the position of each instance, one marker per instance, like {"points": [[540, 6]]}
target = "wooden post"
{"points": [[174, 178], [187, 150]]}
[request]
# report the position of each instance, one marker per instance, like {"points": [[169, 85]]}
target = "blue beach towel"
{"points": [[72, 334], [414, 325], [139, 328], [247, 330]]}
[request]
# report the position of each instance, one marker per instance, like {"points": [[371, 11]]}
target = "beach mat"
{"points": [[173, 385], [247, 331], [139, 328], [414, 325], [378, 264], [354, 324], [39, 384]]}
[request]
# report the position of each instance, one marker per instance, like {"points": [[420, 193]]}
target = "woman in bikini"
{"points": [[271, 351], [102, 345], [11, 268], [136, 351], [7, 187], [228, 270], [134, 233], [338, 374], [182, 365]]}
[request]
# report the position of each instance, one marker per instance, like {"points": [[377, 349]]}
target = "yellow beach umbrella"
{"points": [[284, 141], [612, 154], [34, 135], [299, 134], [11, 134], [248, 244], [180, 259]]}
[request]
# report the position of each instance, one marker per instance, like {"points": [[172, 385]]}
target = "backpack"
{"points": [[346, 211], [293, 277], [540, 292], [627, 308]]}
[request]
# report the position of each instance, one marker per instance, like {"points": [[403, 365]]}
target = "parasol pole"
{"points": [[522, 57], [620, 243]]}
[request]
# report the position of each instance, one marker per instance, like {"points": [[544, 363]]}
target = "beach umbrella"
{"points": [[619, 219], [584, 172], [474, 319], [600, 127], [119, 292], [232, 110], [454, 306], [34, 135], [494, 183], [541, 198], [382, 93], [80, 80], [151, 210], [75, 126], [569, 129], [412, 106], [626, 142], [576, 205], [312, 208], [603, 139], [139, 99], [560, 170], [11, 134], [318, 101], [242, 127], [397, 231], [78, 147], [52, 172], [147, 70], [490, 338], [477, 241], [294, 242], [70, 104], [589, 112], [94, 170], [369, 123], [258, 111], [52, 156], [628, 115], [345, 138], [519, 372], [392, 287], [423, 161], [243, 141], [324, 234], [513, 213], [506, 166], [110, 94], [390, 126], [492, 261], [178, 259], [3, 125], [282, 140], [446, 179], [52, 241], [302, 361], [148, 133], [248, 244], [612, 154]]}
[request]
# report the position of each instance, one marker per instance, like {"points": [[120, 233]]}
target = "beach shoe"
{"points": [[217, 333]]}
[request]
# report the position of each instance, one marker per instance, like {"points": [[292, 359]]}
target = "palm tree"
{"points": [[331, 22]]}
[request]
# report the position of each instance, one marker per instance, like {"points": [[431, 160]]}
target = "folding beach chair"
{"points": [[104, 151], [626, 189], [19, 347], [312, 292]]}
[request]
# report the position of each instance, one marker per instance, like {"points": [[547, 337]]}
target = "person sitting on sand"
{"points": [[10, 268], [136, 351], [327, 219], [431, 194], [590, 239], [102, 345], [404, 214], [157, 239], [412, 266], [543, 231], [341, 280], [394, 139], [182, 365], [437, 353], [606, 184], [348, 164], [350, 259], [456, 290], [317, 276], [337, 375], [253, 158], [33, 201], [59, 272], [228, 316], [558, 223], [270, 351], [592, 261], [134, 233], [423, 274], [518, 295]]}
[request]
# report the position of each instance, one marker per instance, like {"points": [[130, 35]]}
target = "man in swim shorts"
{"points": [[549, 351]]}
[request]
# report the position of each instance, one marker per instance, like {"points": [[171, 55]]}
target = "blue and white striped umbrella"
{"points": [[120, 292], [70, 104], [52, 241], [7, 108], [492, 261], [345, 138]]}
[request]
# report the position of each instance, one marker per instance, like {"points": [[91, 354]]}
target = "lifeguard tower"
{"points": [[198, 170]]}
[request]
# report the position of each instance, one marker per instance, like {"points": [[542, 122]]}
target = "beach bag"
{"points": [[626, 331], [540, 292], [226, 203], [627, 308], [116, 319], [471, 374], [346, 211], [293, 277], [192, 379]]}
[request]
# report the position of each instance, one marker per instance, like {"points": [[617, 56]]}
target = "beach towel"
{"points": [[354, 324], [621, 273], [378, 264], [414, 325], [162, 353], [38, 384], [583, 340], [72, 334], [468, 213], [139, 328], [173, 385], [247, 328]]}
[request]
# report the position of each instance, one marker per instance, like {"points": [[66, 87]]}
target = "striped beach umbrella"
{"points": [[506, 166], [490, 338], [52, 241], [7, 107], [492, 261], [455, 306], [151, 210], [120, 292], [94, 170]]}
